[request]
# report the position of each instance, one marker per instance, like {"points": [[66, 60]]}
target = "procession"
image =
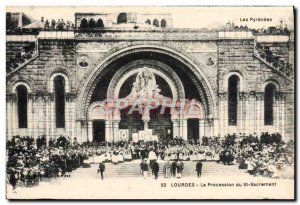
{"points": [[30, 162], [125, 102]]}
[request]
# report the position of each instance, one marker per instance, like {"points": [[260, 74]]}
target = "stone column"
{"points": [[223, 113], [277, 116], [47, 115], [79, 131], [115, 130], [108, 127], [8, 117], [240, 116], [184, 129], [68, 113], [10, 114], [146, 118], [52, 114], [31, 110], [84, 130], [201, 129], [175, 127], [90, 130], [282, 105], [259, 111], [14, 114]]}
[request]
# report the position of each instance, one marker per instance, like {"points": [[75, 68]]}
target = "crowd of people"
{"points": [[30, 161], [281, 28], [42, 24], [20, 57], [276, 61], [60, 24], [21, 31]]}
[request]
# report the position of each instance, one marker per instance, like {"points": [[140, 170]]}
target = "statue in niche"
{"points": [[145, 85], [210, 62]]}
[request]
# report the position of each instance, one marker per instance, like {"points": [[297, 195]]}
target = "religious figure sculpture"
{"points": [[145, 85]]}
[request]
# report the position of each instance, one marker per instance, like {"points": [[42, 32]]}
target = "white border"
{"points": [[4, 3]]}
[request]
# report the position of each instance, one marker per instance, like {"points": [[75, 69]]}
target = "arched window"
{"points": [[92, 23], [122, 18], [22, 106], [233, 88], [163, 23], [155, 23], [59, 89], [269, 103], [148, 21], [99, 24], [83, 24]]}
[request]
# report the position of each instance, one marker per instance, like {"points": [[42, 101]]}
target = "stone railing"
{"points": [[56, 34], [21, 38], [274, 61]]}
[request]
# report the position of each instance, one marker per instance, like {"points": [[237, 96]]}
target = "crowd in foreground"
{"points": [[31, 161], [20, 58]]}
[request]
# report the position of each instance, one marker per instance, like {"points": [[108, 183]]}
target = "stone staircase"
{"points": [[132, 169]]}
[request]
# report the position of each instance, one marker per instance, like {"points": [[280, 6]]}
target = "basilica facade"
{"points": [[72, 82]]}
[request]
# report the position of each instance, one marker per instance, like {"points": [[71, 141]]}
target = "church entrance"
{"points": [[132, 122], [193, 129], [98, 131], [161, 124]]}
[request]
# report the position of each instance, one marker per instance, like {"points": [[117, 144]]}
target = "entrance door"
{"points": [[99, 130], [161, 124], [193, 129]]}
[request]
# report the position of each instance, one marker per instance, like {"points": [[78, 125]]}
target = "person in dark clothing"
{"points": [[155, 169], [173, 166], [144, 168], [101, 169], [199, 168], [13, 178]]}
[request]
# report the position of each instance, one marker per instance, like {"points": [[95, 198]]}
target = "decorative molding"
{"points": [[11, 97], [147, 35], [83, 61], [259, 96], [280, 96], [223, 96], [70, 96], [243, 95], [50, 96], [194, 47], [91, 47]]}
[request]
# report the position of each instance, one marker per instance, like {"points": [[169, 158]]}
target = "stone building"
{"points": [[62, 87]]}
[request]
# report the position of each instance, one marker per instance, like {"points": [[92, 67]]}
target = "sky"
{"points": [[182, 17]]}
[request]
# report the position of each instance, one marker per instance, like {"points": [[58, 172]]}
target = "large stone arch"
{"points": [[130, 69], [200, 80]]}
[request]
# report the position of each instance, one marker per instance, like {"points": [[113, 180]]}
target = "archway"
{"points": [[100, 23], [83, 23], [194, 83], [122, 18]]}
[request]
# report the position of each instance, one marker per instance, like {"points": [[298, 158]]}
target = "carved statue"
{"points": [[145, 85]]}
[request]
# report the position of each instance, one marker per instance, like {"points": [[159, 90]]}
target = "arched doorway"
{"points": [[193, 83], [98, 117], [161, 124]]}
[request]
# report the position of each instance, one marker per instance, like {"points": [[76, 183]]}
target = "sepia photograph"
{"points": [[150, 103]]}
